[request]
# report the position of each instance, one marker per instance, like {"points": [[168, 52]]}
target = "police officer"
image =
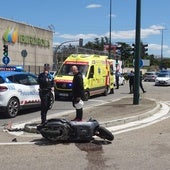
{"points": [[46, 83], [117, 79], [131, 81], [141, 84]]}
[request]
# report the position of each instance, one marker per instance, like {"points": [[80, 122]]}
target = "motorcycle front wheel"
{"points": [[103, 133]]}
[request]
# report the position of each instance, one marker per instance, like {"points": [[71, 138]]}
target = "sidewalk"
{"points": [[114, 113]]}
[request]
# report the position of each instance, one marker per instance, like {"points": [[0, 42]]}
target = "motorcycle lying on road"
{"points": [[64, 130]]}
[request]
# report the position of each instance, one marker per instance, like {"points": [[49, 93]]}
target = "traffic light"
{"points": [[81, 42], [133, 49], [117, 62], [5, 51], [144, 49]]}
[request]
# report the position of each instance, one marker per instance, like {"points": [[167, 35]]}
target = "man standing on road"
{"points": [[46, 83], [78, 93]]}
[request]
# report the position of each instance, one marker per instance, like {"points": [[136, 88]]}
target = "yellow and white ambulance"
{"points": [[96, 75]]}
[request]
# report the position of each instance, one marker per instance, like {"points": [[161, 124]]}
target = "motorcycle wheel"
{"points": [[103, 133], [59, 132]]}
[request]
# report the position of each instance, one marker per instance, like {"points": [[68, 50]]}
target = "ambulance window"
{"points": [[91, 73], [83, 69], [65, 69], [111, 70]]}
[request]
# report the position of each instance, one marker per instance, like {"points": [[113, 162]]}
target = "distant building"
{"points": [[26, 40]]}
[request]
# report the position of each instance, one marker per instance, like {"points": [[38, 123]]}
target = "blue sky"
{"points": [[89, 19]]}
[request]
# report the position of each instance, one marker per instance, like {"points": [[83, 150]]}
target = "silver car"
{"points": [[150, 76]]}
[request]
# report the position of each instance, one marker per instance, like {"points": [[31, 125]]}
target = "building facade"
{"points": [[28, 46]]}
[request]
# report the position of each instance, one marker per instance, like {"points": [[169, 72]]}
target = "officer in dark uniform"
{"points": [[141, 84], [131, 81], [117, 79], [46, 83]]}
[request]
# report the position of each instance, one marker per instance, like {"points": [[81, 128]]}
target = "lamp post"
{"points": [[110, 29], [35, 50], [162, 32], [51, 27], [58, 47]]}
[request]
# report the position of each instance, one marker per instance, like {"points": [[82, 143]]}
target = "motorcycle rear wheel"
{"points": [[59, 132], [103, 133]]}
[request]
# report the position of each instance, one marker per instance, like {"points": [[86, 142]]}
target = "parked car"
{"points": [[150, 76], [163, 79], [18, 90]]}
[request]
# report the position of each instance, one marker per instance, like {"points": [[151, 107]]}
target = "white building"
{"points": [[36, 42]]}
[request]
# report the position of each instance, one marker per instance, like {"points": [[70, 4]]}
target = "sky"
{"points": [[90, 19]]}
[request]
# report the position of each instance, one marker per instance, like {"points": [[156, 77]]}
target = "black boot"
{"points": [[79, 115], [43, 119]]}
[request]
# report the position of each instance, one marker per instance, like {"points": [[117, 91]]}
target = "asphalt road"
{"points": [[146, 148]]}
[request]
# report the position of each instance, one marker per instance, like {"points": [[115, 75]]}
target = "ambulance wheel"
{"points": [[105, 91], [112, 91]]}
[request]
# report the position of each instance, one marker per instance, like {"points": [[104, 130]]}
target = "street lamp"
{"points": [[35, 61], [162, 32], [110, 29], [58, 47]]}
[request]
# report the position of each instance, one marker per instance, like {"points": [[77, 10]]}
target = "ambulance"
{"points": [[96, 74]]}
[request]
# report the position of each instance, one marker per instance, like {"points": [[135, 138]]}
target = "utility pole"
{"points": [[162, 40], [137, 52], [110, 29]]}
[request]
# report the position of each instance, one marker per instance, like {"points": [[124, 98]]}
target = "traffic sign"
{"points": [[24, 53], [140, 63], [6, 60]]}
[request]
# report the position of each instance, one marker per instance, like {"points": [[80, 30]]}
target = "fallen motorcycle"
{"points": [[65, 130]]}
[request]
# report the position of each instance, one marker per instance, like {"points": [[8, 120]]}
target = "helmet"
{"points": [[79, 105]]}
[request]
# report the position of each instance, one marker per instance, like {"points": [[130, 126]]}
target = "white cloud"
{"points": [[94, 6], [77, 36], [117, 35], [124, 35]]}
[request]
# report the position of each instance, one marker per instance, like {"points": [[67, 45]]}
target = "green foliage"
{"points": [[127, 53]]}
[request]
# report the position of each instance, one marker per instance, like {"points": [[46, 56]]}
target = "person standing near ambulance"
{"points": [[46, 84], [78, 93]]}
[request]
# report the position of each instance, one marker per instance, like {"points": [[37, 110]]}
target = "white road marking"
{"points": [[159, 116]]}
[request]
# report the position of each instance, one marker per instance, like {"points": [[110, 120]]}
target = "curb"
{"points": [[132, 118], [32, 127]]}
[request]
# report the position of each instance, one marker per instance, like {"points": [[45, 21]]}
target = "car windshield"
{"points": [[149, 74], [163, 75], [25, 79], [66, 69]]}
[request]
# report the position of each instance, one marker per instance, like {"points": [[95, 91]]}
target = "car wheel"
{"points": [[12, 107]]}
